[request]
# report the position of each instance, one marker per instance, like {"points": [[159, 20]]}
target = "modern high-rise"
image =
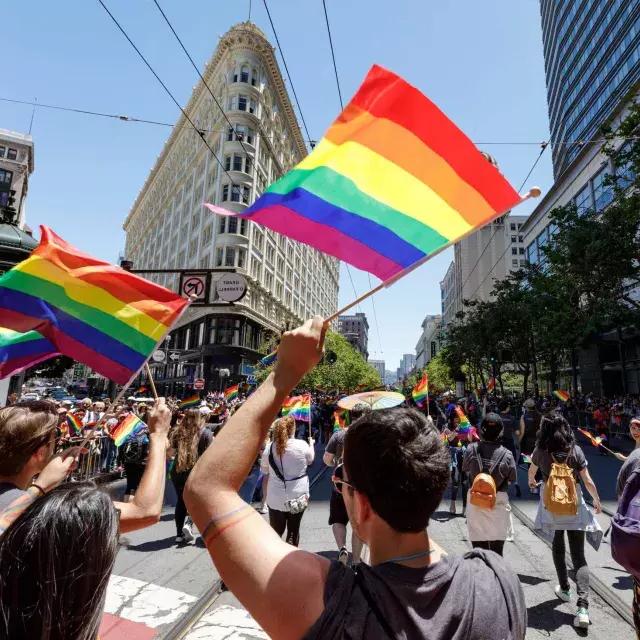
{"points": [[355, 328], [407, 364], [592, 61], [592, 64], [168, 227], [379, 366]]}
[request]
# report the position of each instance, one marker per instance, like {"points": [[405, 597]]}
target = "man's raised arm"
{"points": [[271, 578]]}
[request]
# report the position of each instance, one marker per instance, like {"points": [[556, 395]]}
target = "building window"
{"points": [[243, 226], [242, 257], [584, 201], [222, 223], [602, 190], [230, 257], [12, 154], [248, 165], [5, 178], [244, 74], [521, 251], [207, 234], [254, 77], [237, 163], [513, 226], [514, 251], [235, 193], [3, 150], [225, 192], [513, 239], [514, 262], [219, 252], [232, 226], [242, 103], [520, 239]]}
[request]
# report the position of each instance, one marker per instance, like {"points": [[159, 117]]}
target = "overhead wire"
{"points": [[337, 77], [167, 90]]}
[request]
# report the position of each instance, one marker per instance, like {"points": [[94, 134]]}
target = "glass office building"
{"points": [[592, 60]]}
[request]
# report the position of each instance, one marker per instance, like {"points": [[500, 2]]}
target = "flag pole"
{"points": [[151, 382], [534, 192]]}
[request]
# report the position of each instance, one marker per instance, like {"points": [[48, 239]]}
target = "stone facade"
{"points": [[16, 165], [430, 340], [355, 328]]}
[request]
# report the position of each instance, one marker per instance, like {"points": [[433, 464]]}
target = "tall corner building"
{"points": [[592, 65], [168, 228]]}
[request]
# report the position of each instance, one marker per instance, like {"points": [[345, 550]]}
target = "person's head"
{"points": [[491, 427], [86, 404], [283, 429], [634, 429], [529, 404], [358, 411], [555, 434], [187, 434], [503, 405], [27, 437], [397, 470], [98, 406], [50, 587]]}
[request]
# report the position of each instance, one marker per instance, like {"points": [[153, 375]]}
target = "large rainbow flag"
{"points": [[231, 393], [392, 182], [420, 392], [129, 427], [464, 426], [75, 424], [190, 402], [19, 351], [563, 396], [89, 310], [298, 407]]}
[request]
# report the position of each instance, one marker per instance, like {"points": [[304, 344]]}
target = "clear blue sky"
{"points": [[481, 62]]}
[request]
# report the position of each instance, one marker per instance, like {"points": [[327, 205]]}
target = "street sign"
{"points": [[198, 384], [231, 287], [195, 285], [174, 356], [157, 356]]}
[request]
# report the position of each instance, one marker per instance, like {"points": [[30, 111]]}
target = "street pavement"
{"points": [[155, 581]]}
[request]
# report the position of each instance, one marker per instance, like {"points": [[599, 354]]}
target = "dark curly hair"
{"points": [[397, 459], [555, 434]]}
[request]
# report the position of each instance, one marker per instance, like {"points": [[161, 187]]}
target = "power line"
{"points": [[337, 76], [195, 66], [164, 86], [333, 55], [286, 68]]}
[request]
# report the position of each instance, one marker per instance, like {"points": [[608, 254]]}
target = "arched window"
{"points": [[255, 78], [244, 73]]}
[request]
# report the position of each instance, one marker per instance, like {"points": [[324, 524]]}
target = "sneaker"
{"points": [[343, 556], [188, 533], [263, 509], [582, 619], [179, 539], [565, 596]]}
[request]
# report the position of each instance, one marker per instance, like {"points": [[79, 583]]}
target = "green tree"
{"points": [[439, 372]]}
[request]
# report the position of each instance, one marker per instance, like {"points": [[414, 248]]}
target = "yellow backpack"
{"points": [[483, 490], [560, 491]]}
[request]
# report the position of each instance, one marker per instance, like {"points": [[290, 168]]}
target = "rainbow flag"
{"points": [[190, 402], [142, 389], [299, 407], [392, 182], [231, 393], [19, 351], [563, 396], [129, 427], [89, 310], [75, 424], [464, 425], [420, 392], [340, 419], [596, 441], [491, 384]]}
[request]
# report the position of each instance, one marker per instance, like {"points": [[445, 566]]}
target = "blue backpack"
{"points": [[625, 527]]}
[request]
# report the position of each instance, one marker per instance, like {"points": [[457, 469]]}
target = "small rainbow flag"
{"points": [[563, 396], [392, 182], [339, 419], [19, 351], [190, 402], [464, 425], [596, 441], [130, 426], [89, 310], [420, 392], [298, 407], [75, 424], [231, 393]]}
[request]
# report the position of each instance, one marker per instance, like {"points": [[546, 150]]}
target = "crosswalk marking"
{"points": [[227, 623]]}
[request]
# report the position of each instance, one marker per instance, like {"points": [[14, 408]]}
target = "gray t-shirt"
{"points": [[335, 445], [629, 466], [475, 597], [575, 459], [8, 493], [494, 457]]}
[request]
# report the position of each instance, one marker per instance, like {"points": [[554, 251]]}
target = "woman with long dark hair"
{"points": [[188, 439], [51, 587], [286, 461], [556, 445]]}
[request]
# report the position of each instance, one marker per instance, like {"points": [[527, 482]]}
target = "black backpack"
{"points": [[136, 449]]}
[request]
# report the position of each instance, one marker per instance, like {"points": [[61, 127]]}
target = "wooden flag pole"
{"points": [[151, 382], [534, 192]]}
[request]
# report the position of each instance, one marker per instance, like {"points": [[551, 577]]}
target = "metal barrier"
{"points": [[101, 452]]}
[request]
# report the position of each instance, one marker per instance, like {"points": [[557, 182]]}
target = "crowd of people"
{"points": [[390, 469]]}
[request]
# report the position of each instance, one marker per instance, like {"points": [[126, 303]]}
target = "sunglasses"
{"points": [[338, 481]]}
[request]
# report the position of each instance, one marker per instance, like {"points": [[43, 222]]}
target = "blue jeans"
{"points": [[248, 487]]}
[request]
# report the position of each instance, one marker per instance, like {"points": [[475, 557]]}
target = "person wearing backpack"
{"points": [[625, 526], [490, 467], [562, 507]]}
